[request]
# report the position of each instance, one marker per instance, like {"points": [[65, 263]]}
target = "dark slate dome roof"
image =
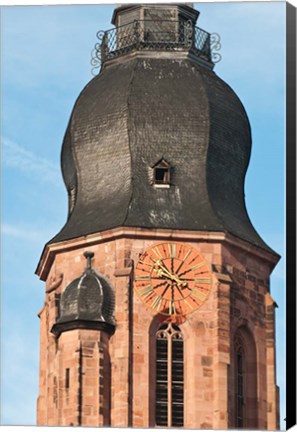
{"points": [[89, 298], [138, 111]]}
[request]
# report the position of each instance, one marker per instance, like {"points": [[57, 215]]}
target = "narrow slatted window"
{"points": [[177, 380], [169, 377], [240, 388], [67, 378], [162, 380]]}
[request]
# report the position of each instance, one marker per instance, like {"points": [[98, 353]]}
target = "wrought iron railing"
{"points": [[155, 35]]}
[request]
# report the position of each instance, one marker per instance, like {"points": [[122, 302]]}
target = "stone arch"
{"points": [[244, 360]]}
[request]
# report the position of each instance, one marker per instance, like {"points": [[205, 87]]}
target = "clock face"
{"points": [[172, 279]]}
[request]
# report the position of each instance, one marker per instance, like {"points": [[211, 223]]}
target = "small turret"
{"points": [[87, 302]]}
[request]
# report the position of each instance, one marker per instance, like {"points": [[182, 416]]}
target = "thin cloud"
{"points": [[38, 57], [25, 233], [15, 156]]}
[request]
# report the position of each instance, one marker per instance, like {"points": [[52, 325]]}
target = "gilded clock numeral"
{"points": [[197, 266], [184, 260], [172, 250], [145, 263], [187, 255], [145, 290], [157, 252], [202, 280], [147, 277], [157, 303], [172, 309], [201, 296], [188, 304], [148, 296]]}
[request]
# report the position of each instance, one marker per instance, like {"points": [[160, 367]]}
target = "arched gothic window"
{"points": [[169, 398], [245, 380]]}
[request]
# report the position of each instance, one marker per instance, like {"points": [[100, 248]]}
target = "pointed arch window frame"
{"points": [[169, 377], [245, 342]]}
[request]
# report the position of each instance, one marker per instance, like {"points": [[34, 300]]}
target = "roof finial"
{"points": [[89, 255]]}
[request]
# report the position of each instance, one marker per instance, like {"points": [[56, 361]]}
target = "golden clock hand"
{"points": [[158, 262], [160, 272], [172, 277], [178, 281], [162, 268], [163, 271]]}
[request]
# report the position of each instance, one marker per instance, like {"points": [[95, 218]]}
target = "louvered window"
{"points": [[240, 388], [169, 376]]}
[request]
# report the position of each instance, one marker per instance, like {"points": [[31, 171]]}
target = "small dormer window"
{"points": [[161, 174]]}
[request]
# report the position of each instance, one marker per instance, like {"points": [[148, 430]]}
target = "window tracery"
{"points": [[169, 401]]}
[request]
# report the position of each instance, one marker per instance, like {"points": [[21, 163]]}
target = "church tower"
{"points": [[157, 296]]}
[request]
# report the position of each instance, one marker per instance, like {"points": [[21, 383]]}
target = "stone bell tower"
{"points": [[157, 296]]}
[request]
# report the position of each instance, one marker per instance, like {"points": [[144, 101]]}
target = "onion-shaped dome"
{"points": [[87, 302], [148, 108]]}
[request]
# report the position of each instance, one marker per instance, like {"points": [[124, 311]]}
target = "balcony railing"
{"points": [[157, 36]]}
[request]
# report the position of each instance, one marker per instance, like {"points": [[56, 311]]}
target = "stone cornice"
{"points": [[51, 250], [59, 328]]}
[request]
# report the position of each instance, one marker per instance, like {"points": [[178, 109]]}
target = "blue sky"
{"points": [[45, 64]]}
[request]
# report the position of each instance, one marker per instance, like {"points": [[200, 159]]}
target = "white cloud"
{"points": [[15, 156], [25, 233]]}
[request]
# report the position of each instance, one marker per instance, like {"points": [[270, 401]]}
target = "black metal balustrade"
{"points": [[159, 35]]}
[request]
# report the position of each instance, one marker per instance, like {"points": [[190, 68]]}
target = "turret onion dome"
{"points": [[157, 140], [87, 302]]}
